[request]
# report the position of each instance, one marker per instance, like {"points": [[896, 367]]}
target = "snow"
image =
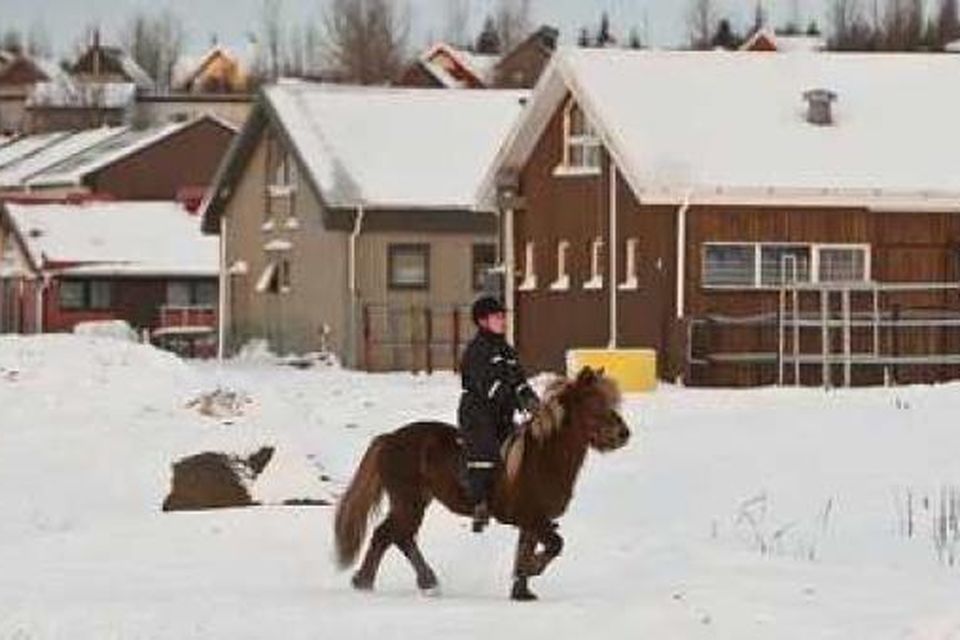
{"points": [[380, 147], [24, 146], [658, 543], [16, 173], [729, 122], [67, 94], [114, 329], [116, 238]]}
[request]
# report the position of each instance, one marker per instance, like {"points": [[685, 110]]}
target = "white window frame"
{"points": [[586, 140], [529, 282], [562, 283], [595, 283], [631, 280], [815, 249]]}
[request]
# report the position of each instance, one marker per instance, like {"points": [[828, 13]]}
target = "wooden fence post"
{"points": [[367, 338], [456, 339], [413, 339], [428, 338]]}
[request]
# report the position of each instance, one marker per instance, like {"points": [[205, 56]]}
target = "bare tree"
{"points": [[849, 29], [947, 22], [514, 22], [155, 41], [366, 39], [701, 18], [456, 22], [903, 22], [270, 40], [12, 40]]}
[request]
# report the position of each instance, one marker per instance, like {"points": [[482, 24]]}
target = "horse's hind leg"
{"points": [[552, 546], [407, 523], [379, 543], [523, 566]]}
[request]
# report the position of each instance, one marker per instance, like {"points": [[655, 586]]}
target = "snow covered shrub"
{"points": [[114, 329], [799, 538]]}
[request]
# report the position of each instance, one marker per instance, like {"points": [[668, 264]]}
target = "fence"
{"points": [[834, 334], [414, 338]]}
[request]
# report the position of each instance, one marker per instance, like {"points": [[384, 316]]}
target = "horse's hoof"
{"points": [[361, 583], [428, 583], [431, 592], [521, 592]]}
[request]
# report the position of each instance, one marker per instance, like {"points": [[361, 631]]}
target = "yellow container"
{"points": [[634, 370]]}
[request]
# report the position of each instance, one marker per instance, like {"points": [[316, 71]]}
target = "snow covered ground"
{"points": [[733, 514]]}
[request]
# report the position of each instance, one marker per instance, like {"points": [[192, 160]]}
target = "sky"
{"points": [[661, 20]]}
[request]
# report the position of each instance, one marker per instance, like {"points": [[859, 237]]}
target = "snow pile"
{"points": [[116, 329]]}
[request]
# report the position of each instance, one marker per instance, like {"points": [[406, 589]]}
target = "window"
{"points": [[562, 283], [529, 268], [596, 265], [86, 295], [582, 149], [281, 183], [484, 259], [275, 277], [409, 266], [842, 264], [758, 265], [729, 265], [631, 279], [191, 293]]}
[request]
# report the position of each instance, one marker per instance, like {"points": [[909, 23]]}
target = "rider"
{"points": [[494, 388]]}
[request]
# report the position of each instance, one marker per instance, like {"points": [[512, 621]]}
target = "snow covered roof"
{"points": [[188, 67], [16, 173], [696, 124], [480, 66], [115, 238], [66, 94], [391, 147]]}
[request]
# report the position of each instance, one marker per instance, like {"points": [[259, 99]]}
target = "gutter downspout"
{"points": [[509, 269], [43, 282], [682, 255], [612, 344], [353, 285], [223, 299]]}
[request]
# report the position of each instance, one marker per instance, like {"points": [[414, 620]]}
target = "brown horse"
{"points": [[423, 461]]}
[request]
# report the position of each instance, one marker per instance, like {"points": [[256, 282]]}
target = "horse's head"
{"points": [[593, 402]]}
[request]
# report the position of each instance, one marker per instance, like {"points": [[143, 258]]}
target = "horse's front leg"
{"points": [[523, 565], [552, 547]]}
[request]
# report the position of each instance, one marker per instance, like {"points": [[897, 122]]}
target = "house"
{"points": [[766, 40], [753, 219], [66, 104], [146, 263], [447, 67], [444, 66], [17, 78], [99, 64], [217, 71], [125, 163], [349, 223]]}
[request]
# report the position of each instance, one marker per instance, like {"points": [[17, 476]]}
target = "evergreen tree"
{"points": [[583, 39], [635, 41], [725, 37], [488, 42], [604, 37], [813, 29]]}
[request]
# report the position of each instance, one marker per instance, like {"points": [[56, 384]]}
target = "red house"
{"points": [[146, 263]]}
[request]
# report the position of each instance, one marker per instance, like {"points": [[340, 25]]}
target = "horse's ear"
{"points": [[586, 375], [601, 372]]}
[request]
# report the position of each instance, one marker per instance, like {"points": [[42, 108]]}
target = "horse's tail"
{"points": [[357, 504]]}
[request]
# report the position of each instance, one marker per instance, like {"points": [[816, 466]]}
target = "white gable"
{"points": [[404, 148]]}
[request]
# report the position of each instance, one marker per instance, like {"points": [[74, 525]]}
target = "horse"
{"points": [[423, 461]]}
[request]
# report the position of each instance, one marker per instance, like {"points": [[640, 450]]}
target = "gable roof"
{"points": [[188, 69], [379, 148], [766, 39], [478, 68], [38, 69], [702, 124], [114, 238], [114, 60]]}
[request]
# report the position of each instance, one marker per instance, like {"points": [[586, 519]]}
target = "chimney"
{"points": [[96, 52], [819, 109]]}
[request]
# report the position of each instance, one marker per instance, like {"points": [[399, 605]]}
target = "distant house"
{"points": [[65, 104], [157, 163], [217, 71], [768, 41], [800, 226], [17, 79], [349, 222], [99, 64], [146, 263], [444, 66], [447, 67]]}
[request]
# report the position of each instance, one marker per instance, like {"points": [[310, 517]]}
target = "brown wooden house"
{"points": [[218, 71], [17, 78], [349, 222], [754, 219]]}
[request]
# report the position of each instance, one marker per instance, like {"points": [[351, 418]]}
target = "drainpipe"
{"points": [[223, 299], [353, 285], [613, 256], [509, 262], [38, 321], [682, 255]]}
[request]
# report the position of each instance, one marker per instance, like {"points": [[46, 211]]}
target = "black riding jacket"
{"points": [[494, 384]]}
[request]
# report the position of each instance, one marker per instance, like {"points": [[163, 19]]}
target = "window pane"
{"points": [[206, 294], [178, 294], [729, 265], [484, 259], [72, 294], [842, 265], [100, 294], [777, 264], [409, 266]]}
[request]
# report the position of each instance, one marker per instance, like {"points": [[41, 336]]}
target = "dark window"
{"points": [[484, 260], [191, 293], [409, 266], [80, 295]]}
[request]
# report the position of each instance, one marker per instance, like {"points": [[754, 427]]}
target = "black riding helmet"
{"points": [[486, 306]]}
